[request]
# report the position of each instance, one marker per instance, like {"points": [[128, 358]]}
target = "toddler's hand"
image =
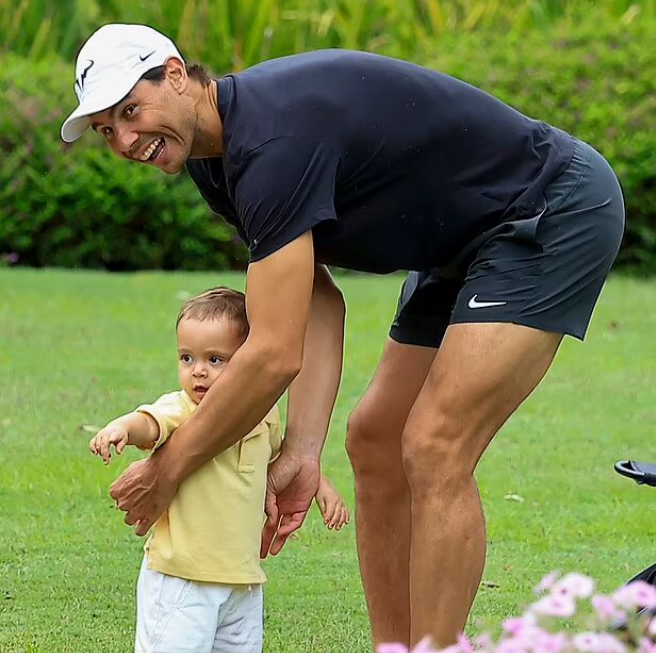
{"points": [[102, 442], [332, 506]]}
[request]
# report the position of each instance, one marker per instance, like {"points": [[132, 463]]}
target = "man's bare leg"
{"points": [[382, 492], [479, 377]]}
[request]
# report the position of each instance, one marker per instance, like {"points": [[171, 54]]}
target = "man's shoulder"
{"points": [[208, 176], [324, 57], [200, 170]]}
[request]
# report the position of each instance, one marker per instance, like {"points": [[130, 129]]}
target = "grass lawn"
{"points": [[80, 347]]}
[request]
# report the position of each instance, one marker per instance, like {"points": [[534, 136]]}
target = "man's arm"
{"points": [[279, 291], [312, 394], [294, 477]]}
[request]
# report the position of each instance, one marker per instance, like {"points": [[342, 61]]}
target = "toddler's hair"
{"points": [[217, 303]]}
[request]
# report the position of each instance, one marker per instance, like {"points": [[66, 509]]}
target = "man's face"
{"points": [[155, 125]]}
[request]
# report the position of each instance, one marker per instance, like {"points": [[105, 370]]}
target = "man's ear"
{"points": [[176, 74]]}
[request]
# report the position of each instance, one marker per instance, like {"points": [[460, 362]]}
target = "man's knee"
{"points": [[371, 443], [441, 455]]}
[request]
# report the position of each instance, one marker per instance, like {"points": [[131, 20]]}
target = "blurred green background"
{"points": [[588, 67]]}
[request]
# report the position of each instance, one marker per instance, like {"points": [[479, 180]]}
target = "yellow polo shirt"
{"points": [[212, 530]]}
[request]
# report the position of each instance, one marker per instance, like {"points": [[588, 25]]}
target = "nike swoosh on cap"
{"points": [[146, 57], [474, 303], [79, 82]]}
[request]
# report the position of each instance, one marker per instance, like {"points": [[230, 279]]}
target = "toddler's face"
{"points": [[204, 348]]}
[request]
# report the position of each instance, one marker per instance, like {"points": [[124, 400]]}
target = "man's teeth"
{"points": [[151, 148]]}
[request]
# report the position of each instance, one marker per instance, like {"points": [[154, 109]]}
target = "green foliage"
{"points": [[82, 207], [596, 80], [230, 34], [593, 78]]}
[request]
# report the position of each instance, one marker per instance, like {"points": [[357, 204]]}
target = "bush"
{"points": [[596, 80], [80, 206], [85, 208], [232, 34]]}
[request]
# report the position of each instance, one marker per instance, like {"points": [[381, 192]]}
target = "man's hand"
{"points": [[291, 486], [144, 492]]}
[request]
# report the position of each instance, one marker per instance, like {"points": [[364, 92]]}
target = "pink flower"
{"points": [[606, 609], [554, 605], [547, 582], [599, 643], [575, 585], [515, 625], [637, 594], [554, 643], [540, 641], [647, 645], [587, 642], [610, 644], [511, 646], [464, 644]]}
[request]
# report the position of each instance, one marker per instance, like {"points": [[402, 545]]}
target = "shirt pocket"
{"points": [[252, 449]]}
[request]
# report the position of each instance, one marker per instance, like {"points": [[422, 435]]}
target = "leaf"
{"points": [[90, 428]]}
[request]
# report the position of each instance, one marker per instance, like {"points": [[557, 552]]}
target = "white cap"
{"points": [[109, 65]]}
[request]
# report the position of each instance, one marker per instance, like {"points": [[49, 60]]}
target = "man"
{"points": [[508, 226]]}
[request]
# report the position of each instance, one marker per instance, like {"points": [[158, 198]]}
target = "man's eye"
{"points": [[106, 132], [129, 110], [215, 360]]}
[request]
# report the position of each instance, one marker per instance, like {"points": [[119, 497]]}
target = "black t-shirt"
{"points": [[393, 166]]}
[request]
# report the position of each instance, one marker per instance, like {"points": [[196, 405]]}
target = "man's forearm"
{"points": [[237, 401], [312, 394]]}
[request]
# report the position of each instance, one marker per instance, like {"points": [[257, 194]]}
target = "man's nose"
{"points": [[126, 139]]}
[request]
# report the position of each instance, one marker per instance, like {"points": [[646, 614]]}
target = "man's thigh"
{"points": [[423, 312], [480, 376], [382, 412]]}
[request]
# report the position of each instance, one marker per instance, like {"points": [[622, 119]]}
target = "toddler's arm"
{"points": [[139, 429], [333, 509]]}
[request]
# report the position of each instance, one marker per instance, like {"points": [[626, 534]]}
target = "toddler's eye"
{"points": [[215, 360], [186, 358]]}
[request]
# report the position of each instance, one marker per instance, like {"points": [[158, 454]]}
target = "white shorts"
{"points": [[175, 615]]}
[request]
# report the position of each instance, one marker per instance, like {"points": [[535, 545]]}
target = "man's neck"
{"points": [[208, 141]]}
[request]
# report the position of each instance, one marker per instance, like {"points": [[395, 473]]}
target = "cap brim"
{"points": [[77, 123], [80, 119]]}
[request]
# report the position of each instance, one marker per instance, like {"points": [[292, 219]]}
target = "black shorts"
{"points": [[544, 272]]}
